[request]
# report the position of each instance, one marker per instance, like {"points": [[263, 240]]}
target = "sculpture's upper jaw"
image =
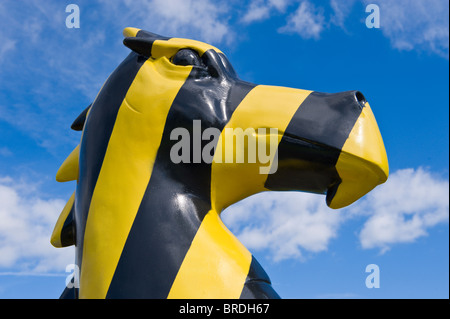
{"points": [[362, 164], [331, 146]]}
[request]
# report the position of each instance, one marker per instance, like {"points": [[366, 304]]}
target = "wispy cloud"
{"points": [[341, 10], [260, 10], [408, 24], [203, 16], [47, 71], [416, 24], [403, 210], [7, 45], [292, 225], [307, 21], [204, 20], [6, 152]]}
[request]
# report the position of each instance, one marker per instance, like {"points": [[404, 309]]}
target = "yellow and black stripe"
{"points": [[145, 227]]}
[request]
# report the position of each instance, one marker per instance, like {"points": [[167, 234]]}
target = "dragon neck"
{"points": [[163, 248], [143, 222]]}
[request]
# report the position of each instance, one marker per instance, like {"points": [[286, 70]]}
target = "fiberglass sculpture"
{"points": [[145, 220]]}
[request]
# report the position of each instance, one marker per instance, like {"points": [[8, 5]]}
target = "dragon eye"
{"points": [[186, 57]]}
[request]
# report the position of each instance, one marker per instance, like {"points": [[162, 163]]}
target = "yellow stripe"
{"points": [[215, 266], [69, 168], [126, 171], [56, 234], [363, 162], [263, 107], [130, 32]]}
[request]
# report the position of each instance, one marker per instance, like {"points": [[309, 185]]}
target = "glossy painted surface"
{"points": [[146, 227]]}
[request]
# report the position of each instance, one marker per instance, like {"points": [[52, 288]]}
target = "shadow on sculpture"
{"points": [[172, 139]]}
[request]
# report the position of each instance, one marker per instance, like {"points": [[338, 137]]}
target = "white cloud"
{"points": [[203, 16], [290, 225], [416, 24], [5, 152], [341, 10], [307, 21], [408, 24], [56, 68], [205, 20], [7, 45], [404, 209], [25, 229], [285, 224], [259, 9]]}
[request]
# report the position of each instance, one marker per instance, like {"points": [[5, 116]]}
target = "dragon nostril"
{"points": [[360, 98]]}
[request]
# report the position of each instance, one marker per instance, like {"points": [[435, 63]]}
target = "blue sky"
{"points": [[50, 73]]}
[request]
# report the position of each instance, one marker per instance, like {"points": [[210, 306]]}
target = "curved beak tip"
{"points": [[362, 165]]}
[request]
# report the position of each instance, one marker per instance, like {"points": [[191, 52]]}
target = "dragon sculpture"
{"points": [[146, 226]]}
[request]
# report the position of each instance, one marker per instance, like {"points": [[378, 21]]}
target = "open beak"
{"points": [[362, 164]]}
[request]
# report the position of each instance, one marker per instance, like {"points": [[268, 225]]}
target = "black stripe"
{"points": [[312, 143], [68, 230], [143, 42], [150, 35], [69, 293], [78, 124], [258, 285], [97, 131], [172, 210], [326, 118]]}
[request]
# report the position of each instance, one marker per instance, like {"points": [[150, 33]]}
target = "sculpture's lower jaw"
{"points": [[358, 178], [362, 163]]}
